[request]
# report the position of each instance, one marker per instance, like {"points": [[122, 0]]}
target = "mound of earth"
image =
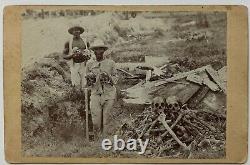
{"points": [[50, 107]]}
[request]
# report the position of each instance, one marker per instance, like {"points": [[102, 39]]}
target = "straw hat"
{"points": [[98, 43], [74, 28]]}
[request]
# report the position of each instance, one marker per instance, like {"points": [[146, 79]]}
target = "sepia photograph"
{"points": [[123, 84]]}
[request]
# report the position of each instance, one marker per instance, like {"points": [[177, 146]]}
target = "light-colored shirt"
{"points": [[107, 91]]}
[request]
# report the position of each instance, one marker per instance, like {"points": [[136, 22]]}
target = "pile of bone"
{"points": [[175, 130]]}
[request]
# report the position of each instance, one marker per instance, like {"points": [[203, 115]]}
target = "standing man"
{"points": [[77, 53], [101, 77]]}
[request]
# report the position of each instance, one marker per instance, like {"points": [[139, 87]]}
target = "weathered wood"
{"points": [[195, 78], [215, 76], [181, 75], [203, 78], [87, 113], [198, 96], [210, 84], [125, 72], [88, 116]]}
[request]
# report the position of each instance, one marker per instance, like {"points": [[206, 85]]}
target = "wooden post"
{"points": [[89, 123], [87, 113]]}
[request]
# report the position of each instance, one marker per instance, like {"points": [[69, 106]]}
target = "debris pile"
{"points": [[191, 86], [174, 130], [185, 114]]}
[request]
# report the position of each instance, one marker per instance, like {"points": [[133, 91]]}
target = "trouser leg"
{"points": [[76, 75], [96, 112], [107, 109]]}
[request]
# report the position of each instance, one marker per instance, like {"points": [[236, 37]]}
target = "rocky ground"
{"points": [[53, 113]]}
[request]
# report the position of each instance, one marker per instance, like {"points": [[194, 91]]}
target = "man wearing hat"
{"points": [[77, 53], [101, 77]]}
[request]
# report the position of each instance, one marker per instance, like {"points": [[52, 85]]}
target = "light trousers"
{"points": [[78, 72], [100, 111]]}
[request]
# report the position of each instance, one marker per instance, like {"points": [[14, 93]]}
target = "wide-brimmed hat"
{"points": [[98, 43], [74, 28]]}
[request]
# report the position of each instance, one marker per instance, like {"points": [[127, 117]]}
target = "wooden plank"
{"points": [[215, 76], [181, 75], [88, 119], [195, 78], [125, 72], [87, 114], [198, 96], [91, 126], [210, 84]]}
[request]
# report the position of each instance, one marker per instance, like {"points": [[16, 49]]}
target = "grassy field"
{"points": [[52, 115]]}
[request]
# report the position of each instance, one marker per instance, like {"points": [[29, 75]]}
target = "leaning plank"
{"points": [[181, 75], [210, 84], [125, 72], [195, 78], [215, 76], [198, 96]]}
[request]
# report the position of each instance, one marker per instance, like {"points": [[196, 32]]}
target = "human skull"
{"points": [[104, 78], [76, 50], [158, 104], [172, 103], [91, 79]]}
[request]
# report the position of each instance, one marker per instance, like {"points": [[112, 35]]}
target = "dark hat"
{"points": [[72, 29]]}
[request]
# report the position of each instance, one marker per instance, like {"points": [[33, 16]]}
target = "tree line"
{"points": [[30, 13]]}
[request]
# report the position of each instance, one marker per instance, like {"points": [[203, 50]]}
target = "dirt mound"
{"points": [[50, 107]]}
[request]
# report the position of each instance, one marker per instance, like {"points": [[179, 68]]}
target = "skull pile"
{"points": [[105, 78], [187, 127], [91, 79]]}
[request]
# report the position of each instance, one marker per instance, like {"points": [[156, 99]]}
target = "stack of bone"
{"points": [[173, 129]]}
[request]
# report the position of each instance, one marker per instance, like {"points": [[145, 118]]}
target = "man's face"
{"points": [[77, 33], [99, 53]]}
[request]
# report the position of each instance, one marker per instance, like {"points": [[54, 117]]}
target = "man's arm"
{"points": [[66, 54], [114, 75], [87, 70]]}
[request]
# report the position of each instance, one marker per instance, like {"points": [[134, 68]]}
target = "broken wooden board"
{"points": [[203, 78], [223, 76], [208, 82], [138, 94], [125, 72], [181, 75], [215, 76], [195, 79], [182, 90], [214, 102], [198, 96], [183, 85]]}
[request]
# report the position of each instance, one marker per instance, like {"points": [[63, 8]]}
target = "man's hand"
{"points": [[68, 57]]}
